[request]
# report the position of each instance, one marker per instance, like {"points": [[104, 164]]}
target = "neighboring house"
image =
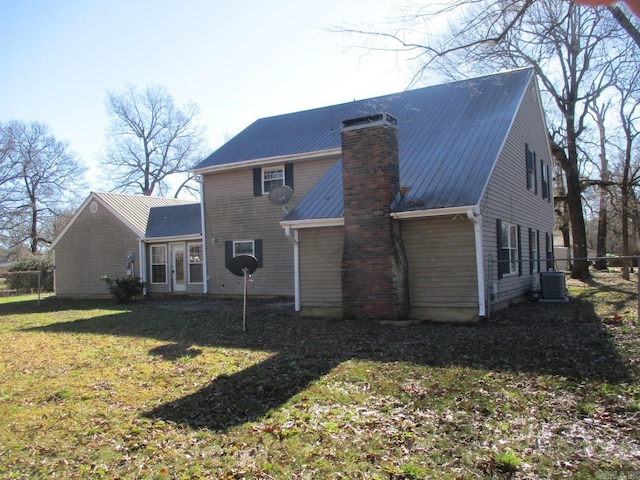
{"points": [[433, 203], [114, 235]]}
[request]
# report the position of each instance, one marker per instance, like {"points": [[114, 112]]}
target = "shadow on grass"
{"points": [[51, 303], [566, 340]]}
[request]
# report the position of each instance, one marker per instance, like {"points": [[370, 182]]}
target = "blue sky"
{"points": [[238, 60]]}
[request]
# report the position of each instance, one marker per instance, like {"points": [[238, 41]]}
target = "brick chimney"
{"points": [[374, 265]]}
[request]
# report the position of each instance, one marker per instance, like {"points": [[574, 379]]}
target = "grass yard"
{"points": [[176, 390]]}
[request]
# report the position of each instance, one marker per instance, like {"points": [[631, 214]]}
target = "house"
{"points": [[433, 203], [115, 235]]}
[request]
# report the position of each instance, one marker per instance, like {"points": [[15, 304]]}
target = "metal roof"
{"points": [[174, 221], [449, 138], [134, 209]]}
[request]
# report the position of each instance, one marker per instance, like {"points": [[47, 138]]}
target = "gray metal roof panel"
{"points": [[449, 137], [174, 221], [135, 208]]}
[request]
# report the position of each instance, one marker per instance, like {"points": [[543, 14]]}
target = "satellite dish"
{"points": [[281, 195], [241, 263]]}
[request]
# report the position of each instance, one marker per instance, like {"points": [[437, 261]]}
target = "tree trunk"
{"points": [[569, 164]]}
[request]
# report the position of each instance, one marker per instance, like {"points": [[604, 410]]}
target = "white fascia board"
{"points": [[436, 212], [183, 238], [313, 223], [269, 161]]}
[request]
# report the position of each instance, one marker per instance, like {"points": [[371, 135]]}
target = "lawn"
{"points": [[163, 389]]}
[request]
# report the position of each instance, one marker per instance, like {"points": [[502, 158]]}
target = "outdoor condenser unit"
{"points": [[552, 286]]}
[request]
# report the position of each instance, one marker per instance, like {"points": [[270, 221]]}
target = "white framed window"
{"points": [[510, 247], [158, 264], [546, 181], [272, 177], [196, 266], [243, 247]]}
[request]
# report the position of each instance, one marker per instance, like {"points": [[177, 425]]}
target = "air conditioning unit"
{"points": [[552, 287]]}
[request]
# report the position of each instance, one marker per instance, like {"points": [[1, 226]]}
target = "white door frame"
{"points": [[178, 271]]}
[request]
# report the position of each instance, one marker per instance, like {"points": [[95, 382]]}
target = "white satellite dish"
{"points": [[281, 195]]}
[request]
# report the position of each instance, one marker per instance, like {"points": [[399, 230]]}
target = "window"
{"points": [[265, 178], [510, 244], [546, 181], [534, 256], [245, 247], [509, 253], [233, 248], [532, 180], [158, 264], [272, 177], [195, 263]]}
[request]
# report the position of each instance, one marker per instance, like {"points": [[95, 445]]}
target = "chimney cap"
{"points": [[375, 119]]}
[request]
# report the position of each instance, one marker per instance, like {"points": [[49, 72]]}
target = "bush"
{"points": [[124, 288], [22, 274]]}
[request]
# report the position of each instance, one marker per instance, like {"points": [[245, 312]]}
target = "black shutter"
{"points": [[549, 191], [519, 253], [503, 258], [549, 252], [257, 182], [531, 257], [529, 164], [257, 250], [288, 175], [535, 173], [538, 259], [228, 252]]}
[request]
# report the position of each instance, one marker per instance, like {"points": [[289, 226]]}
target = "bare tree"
{"points": [[599, 112], [568, 45], [150, 139], [629, 115], [39, 177]]}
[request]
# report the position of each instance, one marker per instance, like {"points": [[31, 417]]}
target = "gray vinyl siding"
{"points": [[442, 268], [233, 213], [96, 244], [507, 198], [320, 267]]}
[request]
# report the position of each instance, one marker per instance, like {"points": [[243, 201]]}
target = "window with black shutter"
{"points": [[233, 248], [266, 178]]}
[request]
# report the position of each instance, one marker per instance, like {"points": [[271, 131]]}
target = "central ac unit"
{"points": [[552, 286]]}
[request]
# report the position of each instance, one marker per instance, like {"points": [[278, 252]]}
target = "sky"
{"points": [[238, 60]]}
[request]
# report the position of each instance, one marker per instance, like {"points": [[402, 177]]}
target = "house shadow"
{"points": [[566, 340]]}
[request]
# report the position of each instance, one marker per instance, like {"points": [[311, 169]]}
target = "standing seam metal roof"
{"points": [[449, 137], [135, 208], [174, 221]]}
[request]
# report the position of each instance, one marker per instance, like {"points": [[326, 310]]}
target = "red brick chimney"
{"points": [[374, 265]]}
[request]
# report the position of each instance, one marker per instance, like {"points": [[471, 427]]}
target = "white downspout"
{"points": [[205, 276], [296, 265], [476, 219], [142, 266]]}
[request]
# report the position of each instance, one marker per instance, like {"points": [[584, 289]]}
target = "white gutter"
{"points": [[261, 162], [293, 237], [181, 238], [474, 215], [314, 223], [435, 212]]}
